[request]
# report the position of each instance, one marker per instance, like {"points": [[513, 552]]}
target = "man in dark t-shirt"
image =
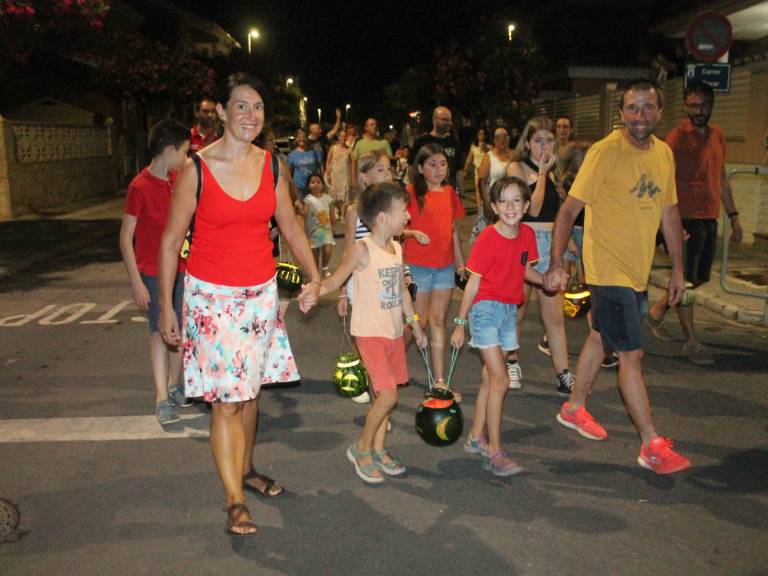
{"points": [[441, 134]]}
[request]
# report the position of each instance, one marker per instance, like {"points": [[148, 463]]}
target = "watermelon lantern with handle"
{"points": [[439, 421], [350, 377]]}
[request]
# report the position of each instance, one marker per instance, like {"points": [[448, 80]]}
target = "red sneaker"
{"points": [[660, 457], [581, 421]]}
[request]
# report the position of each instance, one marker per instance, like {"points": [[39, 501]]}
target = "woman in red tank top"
{"points": [[234, 335]]}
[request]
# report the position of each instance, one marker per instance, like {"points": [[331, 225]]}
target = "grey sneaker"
{"points": [[515, 374], [479, 446], [165, 414], [658, 328], [177, 397], [565, 381], [499, 464], [698, 354]]}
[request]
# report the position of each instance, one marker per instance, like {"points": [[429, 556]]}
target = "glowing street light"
{"points": [[510, 29], [289, 81], [253, 34], [319, 116]]}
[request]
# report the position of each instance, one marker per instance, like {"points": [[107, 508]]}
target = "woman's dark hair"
{"points": [[476, 140], [227, 86], [166, 133], [419, 182], [378, 198], [502, 184]]}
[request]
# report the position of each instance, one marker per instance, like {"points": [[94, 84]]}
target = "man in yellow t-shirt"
{"points": [[627, 183]]}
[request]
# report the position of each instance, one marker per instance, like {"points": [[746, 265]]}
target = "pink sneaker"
{"points": [[582, 422], [659, 457]]}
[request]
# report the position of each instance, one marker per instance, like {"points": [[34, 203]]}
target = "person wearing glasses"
{"points": [[699, 149]]}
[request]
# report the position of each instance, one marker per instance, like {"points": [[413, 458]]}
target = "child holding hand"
{"points": [[380, 301], [499, 264]]}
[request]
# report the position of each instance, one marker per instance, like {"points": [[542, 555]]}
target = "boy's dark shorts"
{"points": [[617, 313], [700, 249], [154, 299]]}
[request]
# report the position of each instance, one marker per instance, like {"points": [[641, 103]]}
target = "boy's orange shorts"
{"points": [[384, 359]]}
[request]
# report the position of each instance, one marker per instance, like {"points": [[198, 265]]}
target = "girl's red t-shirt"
{"points": [[435, 219]]}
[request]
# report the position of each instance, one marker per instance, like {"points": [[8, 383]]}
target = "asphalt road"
{"points": [[102, 489]]}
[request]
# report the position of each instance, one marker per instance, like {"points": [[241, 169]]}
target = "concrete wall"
{"points": [[57, 175]]}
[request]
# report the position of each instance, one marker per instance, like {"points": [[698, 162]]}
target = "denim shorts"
{"points": [[154, 299], [428, 279], [493, 323], [617, 313], [578, 236], [543, 247]]}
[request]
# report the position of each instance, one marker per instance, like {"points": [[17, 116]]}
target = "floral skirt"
{"points": [[234, 341]]}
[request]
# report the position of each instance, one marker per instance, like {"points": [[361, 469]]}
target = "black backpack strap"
{"points": [[199, 189], [275, 169]]}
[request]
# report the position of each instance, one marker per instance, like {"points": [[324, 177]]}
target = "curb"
{"points": [[714, 301]]}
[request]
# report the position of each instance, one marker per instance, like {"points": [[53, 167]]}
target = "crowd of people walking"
{"points": [[198, 233]]}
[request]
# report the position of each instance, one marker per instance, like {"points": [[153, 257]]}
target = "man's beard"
{"points": [[699, 119]]}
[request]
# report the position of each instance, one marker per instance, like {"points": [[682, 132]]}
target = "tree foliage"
{"points": [[482, 74]]}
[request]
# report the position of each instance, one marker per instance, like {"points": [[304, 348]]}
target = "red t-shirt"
{"points": [[231, 244], [436, 219], [501, 264], [198, 141], [148, 200], [699, 161]]}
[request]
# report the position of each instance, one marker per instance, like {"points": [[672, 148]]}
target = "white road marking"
{"points": [[101, 428]]}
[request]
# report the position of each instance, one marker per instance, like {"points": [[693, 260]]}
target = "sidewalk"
{"points": [[30, 241]]}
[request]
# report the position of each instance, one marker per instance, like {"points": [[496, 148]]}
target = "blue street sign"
{"points": [[716, 75]]}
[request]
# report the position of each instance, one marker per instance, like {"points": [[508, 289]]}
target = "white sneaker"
{"points": [[363, 398], [515, 374]]}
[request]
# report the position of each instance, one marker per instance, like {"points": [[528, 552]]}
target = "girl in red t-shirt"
{"points": [[499, 264], [434, 207]]}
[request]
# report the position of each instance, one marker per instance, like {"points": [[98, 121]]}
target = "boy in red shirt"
{"points": [[500, 262], [144, 217]]}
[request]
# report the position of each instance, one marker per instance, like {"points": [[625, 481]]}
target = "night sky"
{"points": [[349, 51]]}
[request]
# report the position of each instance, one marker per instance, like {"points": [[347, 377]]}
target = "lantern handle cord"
{"points": [[425, 357], [346, 337], [454, 357]]}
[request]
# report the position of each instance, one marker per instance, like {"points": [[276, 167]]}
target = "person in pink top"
{"points": [[434, 207], [380, 301], [146, 210], [500, 263], [234, 334]]}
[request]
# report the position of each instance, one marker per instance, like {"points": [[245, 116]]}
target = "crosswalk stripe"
{"points": [[100, 428]]}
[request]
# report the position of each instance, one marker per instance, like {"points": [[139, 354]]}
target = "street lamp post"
{"points": [[510, 29], [253, 33], [319, 116], [289, 81], [346, 112]]}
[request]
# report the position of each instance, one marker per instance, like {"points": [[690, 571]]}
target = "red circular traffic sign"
{"points": [[709, 36]]}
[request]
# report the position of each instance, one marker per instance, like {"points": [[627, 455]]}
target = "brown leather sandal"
{"points": [[235, 511], [269, 485]]}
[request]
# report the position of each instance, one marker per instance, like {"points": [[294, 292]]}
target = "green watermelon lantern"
{"points": [[439, 420], [350, 377]]}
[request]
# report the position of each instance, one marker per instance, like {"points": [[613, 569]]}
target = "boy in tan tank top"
{"points": [[381, 299]]}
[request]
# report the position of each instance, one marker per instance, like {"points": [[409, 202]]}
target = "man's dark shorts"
{"points": [[153, 314], [700, 249], [617, 313]]}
